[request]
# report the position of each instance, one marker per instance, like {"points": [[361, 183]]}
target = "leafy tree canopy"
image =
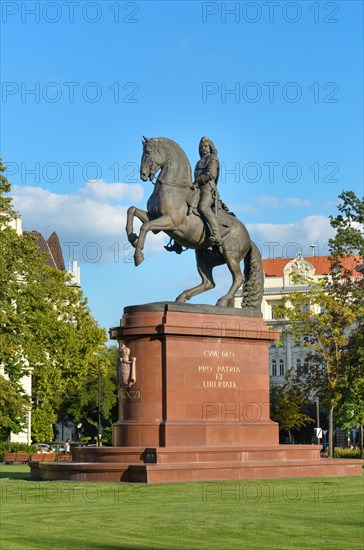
{"points": [[46, 326], [331, 312], [13, 408], [286, 408]]}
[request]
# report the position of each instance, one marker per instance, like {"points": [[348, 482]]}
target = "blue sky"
{"points": [[277, 86]]}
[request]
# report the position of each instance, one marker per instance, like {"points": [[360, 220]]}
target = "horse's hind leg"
{"points": [[205, 265], [233, 263]]}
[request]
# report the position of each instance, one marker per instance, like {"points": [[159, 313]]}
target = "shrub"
{"points": [[6, 447], [339, 452]]}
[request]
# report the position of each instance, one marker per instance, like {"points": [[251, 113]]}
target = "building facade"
{"points": [[278, 282]]}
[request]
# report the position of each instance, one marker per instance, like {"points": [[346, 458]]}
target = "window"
{"points": [[275, 315], [274, 367], [298, 366], [281, 367], [308, 339]]}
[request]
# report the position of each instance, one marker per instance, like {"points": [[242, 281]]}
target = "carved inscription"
{"points": [[130, 394], [215, 353], [218, 372]]}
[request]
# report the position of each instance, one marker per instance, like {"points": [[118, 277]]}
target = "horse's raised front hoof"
{"points": [[133, 239], [138, 258]]}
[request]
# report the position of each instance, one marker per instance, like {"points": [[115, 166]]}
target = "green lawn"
{"points": [[325, 513]]}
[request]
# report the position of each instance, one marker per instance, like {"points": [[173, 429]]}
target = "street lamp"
{"points": [[99, 405]]}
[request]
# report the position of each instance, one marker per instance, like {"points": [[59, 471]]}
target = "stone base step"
{"points": [[168, 455], [79, 471], [267, 469], [201, 471], [159, 455]]}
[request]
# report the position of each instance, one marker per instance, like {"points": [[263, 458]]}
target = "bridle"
{"points": [[160, 182], [150, 166]]}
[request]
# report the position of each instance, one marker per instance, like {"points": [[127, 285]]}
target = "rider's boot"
{"points": [[215, 237]]}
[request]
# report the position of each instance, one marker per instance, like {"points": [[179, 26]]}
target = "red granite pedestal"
{"points": [[199, 409]]}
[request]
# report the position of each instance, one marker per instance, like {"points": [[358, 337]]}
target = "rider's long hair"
{"points": [[213, 149]]}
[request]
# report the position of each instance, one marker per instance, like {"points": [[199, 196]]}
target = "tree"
{"points": [[13, 409], [6, 207], [286, 408], [349, 225], [350, 412], [331, 312], [81, 404], [46, 327], [349, 239], [13, 403]]}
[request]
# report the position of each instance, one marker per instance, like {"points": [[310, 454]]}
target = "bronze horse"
{"points": [[172, 208]]}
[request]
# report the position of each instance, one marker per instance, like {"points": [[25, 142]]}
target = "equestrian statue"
{"points": [[193, 215]]}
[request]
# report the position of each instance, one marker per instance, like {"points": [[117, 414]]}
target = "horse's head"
{"points": [[151, 159]]}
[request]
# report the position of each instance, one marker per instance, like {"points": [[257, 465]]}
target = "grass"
{"points": [[325, 513]]}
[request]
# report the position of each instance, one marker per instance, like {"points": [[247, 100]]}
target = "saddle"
{"points": [[223, 214]]}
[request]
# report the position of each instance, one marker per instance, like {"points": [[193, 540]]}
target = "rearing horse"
{"points": [[170, 209]]}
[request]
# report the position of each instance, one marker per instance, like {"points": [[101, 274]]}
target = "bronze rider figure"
{"points": [[206, 177]]}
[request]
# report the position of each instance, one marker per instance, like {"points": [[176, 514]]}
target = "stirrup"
{"points": [[175, 247]]}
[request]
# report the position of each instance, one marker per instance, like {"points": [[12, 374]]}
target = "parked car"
{"points": [[57, 447], [43, 447]]}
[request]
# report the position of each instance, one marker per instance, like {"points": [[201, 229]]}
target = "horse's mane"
{"points": [[178, 149]]}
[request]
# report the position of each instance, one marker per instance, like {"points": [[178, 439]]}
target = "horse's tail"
{"points": [[253, 287]]}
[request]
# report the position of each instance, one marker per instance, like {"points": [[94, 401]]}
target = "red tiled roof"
{"points": [[55, 247], [51, 248], [273, 267]]}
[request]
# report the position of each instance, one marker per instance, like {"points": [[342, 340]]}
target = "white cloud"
{"points": [[84, 216], [96, 213], [270, 202], [293, 201], [114, 191], [277, 240]]}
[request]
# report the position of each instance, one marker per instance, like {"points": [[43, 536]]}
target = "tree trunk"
{"points": [[331, 432], [361, 442]]}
